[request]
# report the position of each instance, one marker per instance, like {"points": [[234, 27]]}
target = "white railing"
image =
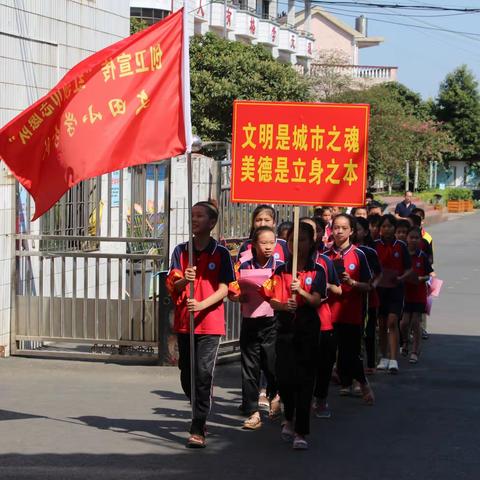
{"points": [[377, 74]]}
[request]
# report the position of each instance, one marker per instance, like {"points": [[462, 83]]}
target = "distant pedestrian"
{"points": [[405, 207]]}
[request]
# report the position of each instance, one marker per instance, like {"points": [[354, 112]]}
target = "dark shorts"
{"points": [[411, 307], [391, 300]]}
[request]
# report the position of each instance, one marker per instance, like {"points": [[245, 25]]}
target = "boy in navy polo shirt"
{"points": [[211, 273]]}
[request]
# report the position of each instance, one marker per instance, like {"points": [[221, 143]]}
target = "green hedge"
{"points": [[458, 194]]}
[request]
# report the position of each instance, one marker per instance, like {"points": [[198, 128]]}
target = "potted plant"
{"points": [[459, 200]]}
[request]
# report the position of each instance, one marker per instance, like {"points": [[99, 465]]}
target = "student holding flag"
{"points": [[211, 273]]}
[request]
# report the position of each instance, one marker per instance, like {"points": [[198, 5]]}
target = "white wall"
{"points": [[39, 42]]}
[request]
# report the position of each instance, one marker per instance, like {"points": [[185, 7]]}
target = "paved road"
{"points": [[79, 420]]}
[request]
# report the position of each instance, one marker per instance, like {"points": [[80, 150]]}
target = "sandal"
{"points": [[253, 422], [196, 441], [367, 394], [287, 432], [413, 358], [275, 408]]}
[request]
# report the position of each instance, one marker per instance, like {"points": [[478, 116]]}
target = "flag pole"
{"points": [[189, 144], [296, 227]]}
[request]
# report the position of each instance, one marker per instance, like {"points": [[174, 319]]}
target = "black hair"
{"points": [[365, 207], [388, 217], [374, 204], [210, 207], [257, 210], [307, 229], [320, 223], [403, 224], [287, 225], [351, 220], [416, 219], [420, 212], [369, 195], [317, 212], [374, 219], [259, 230], [416, 229], [363, 222]]}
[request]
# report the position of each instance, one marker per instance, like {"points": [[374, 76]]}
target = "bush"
{"points": [[458, 194]]}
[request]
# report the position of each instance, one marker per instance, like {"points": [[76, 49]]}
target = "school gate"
{"points": [[90, 274]]}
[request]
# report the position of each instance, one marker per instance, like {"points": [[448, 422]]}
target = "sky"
{"points": [[423, 57]]}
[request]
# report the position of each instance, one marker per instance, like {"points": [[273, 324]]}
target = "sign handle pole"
{"points": [[191, 292], [296, 225]]}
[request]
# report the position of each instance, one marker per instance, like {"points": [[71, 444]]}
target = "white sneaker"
{"points": [[393, 366], [383, 364]]}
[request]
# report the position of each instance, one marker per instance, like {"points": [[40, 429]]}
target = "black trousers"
{"points": [[206, 349], [296, 350], [349, 362], [257, 346], [326, 359], [370, 337]]}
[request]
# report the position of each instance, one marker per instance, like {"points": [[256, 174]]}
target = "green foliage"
{"points": [[458, 194], [458, 106], [223, 71], [400, 131], [137, 24]]}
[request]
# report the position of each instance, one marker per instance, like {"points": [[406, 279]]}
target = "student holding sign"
{"points": [[295, 301], [258, 331]]}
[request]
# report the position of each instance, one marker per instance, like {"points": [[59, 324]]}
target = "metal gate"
{"points": [[87, 272]]}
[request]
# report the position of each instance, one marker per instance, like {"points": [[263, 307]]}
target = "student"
{"points": [[347, 309], [375, 208], [396, 267], [365, 244], [360, 212], [373, 225], [282, 230], [327, 343], [295, 302], [425, 235], [211, 274], [401, 230], [424, 245], [415, 294], [325, 214], [263, 215], [258, 331]]}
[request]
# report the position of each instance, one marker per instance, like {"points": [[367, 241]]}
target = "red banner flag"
{"points": [[120, 107]]}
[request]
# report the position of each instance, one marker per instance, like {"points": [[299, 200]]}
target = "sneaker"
{"points": [[321, 409], [393, 366], [383, 364], [357, 389], [404, 350], [413, 358], [299, 442], [287, 432], [424, 334]]}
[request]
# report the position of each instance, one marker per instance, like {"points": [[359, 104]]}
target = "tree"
{"points": [[137, 24], [223, 71], [329, 77], [458, 106]]}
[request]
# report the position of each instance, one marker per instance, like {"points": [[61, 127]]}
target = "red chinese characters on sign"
{"points": [[252, 28], [299, 153], [274, 34]]}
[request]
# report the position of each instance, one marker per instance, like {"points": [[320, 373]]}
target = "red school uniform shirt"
{"points": [[312, 279], [418, 292], [348, 307], [324, 311], [214, 266], [393, 255], [280, 251]]}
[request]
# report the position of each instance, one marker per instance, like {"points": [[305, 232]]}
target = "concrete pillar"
{"points": [[291, 12], [307, 16], [272, 8], [7, 230]]}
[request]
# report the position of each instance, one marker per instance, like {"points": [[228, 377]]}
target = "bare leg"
{"points": [[392, 322], [417, 331], [405, 326], [382, 335]]}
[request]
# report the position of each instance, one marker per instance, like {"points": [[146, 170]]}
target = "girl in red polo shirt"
{"points": [[295, 302], [263, 216], [211, 273], [396, 267], [415, 294], [258, 331], [348, 308]]}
